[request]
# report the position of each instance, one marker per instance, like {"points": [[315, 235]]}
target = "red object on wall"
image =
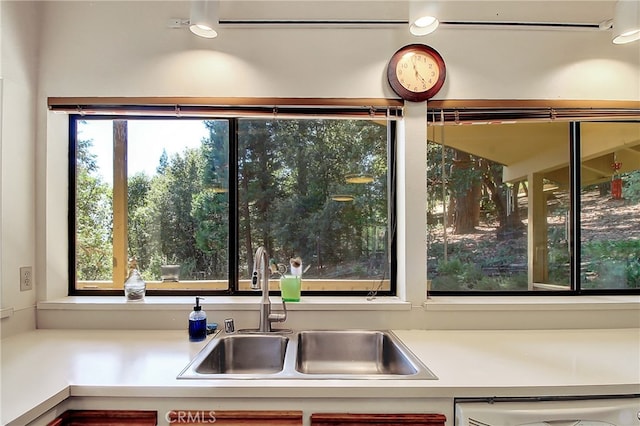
{"points": [[616, 189]]}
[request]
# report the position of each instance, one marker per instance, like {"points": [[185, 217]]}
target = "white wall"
{"points": [[19, 72], [125, 49], [112, 48]]}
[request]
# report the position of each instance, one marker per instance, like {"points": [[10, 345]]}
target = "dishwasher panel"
{"points": [[580, 412]]}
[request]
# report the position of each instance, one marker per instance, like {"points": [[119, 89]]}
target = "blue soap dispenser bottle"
{"points": [[197, 322]]}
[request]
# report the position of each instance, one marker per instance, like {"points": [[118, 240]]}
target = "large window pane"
{"points": [[159, 190], [178, 197], [498, 207], [295, 198], [174, 175], [93, 201], [610, 206]]}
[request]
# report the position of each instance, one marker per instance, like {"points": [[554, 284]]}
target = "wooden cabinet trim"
{"points": [[235, 417], [345, 419], [106, 417]]}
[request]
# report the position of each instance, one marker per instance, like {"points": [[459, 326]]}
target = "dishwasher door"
{"points": [[533, 412]]}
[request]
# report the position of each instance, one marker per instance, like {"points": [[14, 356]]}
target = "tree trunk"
{"points": [[466, 200], [243, 205], [509, 222], [604, 189]]}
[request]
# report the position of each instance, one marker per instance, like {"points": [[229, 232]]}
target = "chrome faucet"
{"points": [[261, 272]]}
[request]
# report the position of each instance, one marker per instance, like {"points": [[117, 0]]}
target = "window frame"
{"points": [[154, 288], [444, 113], [449, 110]]}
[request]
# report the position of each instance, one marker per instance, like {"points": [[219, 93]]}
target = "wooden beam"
{"points": [[537, 244], [120, 212], [533, 103], [221, 101]]}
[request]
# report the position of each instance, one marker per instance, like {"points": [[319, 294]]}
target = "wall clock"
{"points": [[416, 72]]}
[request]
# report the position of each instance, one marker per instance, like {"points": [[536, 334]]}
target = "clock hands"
{"points": [[413, 62]]}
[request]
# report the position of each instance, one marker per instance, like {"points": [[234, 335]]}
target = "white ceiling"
{"points": [[529, 147], [548, 11]]}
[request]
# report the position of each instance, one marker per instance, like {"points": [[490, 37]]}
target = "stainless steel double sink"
{"points": [[315, 354]]}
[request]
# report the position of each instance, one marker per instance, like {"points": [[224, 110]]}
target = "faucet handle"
{"points": [[280, 316]]}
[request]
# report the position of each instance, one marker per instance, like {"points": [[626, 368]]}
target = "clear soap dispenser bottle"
{"points": [[197, 322], [134, 286]]}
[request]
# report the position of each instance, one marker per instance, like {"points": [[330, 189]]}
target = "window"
{"points": [[519, 202], [191, 199], [609, 206]]}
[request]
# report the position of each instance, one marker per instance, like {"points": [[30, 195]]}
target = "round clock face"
{"points": [[416, 72]]}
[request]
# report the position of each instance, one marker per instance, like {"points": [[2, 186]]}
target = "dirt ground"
{"points": [[606, 219], [602, 219]]}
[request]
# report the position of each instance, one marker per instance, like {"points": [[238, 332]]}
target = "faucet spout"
{"points": [[260, 280]]}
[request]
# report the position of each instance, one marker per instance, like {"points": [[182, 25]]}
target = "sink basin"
{"points": [[240, 354], [353, 353], [318, 354]]}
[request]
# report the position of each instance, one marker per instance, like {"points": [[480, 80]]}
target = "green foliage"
{"points": [[559, 257], [611, 264], [456, 275], [182, 220], [463, 272], [94, 218], [210, 212], [139, 218], [287, 171], [435, 178], [631, 189]]}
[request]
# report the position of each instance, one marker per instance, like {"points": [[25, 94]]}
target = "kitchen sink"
{"points": [[353, 353], [314, 354], [240, 354]]}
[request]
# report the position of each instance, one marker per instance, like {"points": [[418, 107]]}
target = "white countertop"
{"points": [[44, 367]]}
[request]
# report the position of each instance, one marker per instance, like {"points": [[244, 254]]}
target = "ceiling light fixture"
{"points": [[343, 198], [358, 178], [626, 21], [422, 17], [204, 18]]}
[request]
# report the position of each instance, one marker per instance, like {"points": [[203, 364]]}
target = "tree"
{"points": [[163, 163], [94, 218], [171, 227], [469, 178], [287, 171], [509, 223], [257, 164], [466, 193], [138, 187], [210, 207]]}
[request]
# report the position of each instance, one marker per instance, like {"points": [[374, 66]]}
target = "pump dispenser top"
{"points": [[198, 307]]}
